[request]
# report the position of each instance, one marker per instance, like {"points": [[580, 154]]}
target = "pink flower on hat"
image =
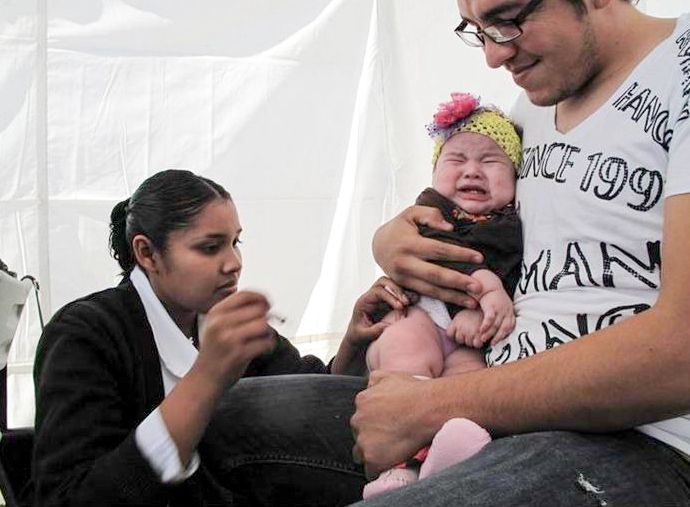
{"points": [[461, 105]]}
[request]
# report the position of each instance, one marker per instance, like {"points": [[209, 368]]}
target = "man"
{"points": [[606, 177]]}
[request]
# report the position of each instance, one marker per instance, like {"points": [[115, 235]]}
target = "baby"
{"points": [[477, 152]]}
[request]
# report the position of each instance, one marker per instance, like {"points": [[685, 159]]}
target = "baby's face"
{"points": [[475, 173]]}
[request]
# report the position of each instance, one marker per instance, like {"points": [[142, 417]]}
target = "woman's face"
{"points": [[201, 264]]}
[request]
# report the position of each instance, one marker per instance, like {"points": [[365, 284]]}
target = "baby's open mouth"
{"points": [[472, 189]]}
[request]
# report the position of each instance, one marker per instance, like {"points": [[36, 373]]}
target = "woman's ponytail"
{"points": [[120, 248]]}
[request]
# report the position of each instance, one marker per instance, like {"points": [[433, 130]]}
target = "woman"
{"points": [[123, 395]]}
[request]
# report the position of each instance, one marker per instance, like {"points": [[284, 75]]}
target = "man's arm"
{"points": [[631, 373], [406, 257]]}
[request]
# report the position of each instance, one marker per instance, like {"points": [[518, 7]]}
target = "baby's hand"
{"points": [[499, 317], [464, 328]]}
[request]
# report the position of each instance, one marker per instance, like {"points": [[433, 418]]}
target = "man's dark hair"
{"points": [[581, 8]]}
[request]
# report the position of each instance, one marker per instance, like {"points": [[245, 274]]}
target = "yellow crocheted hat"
{"points": [[464, 114]]}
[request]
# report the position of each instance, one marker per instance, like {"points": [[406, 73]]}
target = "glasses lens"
{"points": [[473, 39], [505, 32]]}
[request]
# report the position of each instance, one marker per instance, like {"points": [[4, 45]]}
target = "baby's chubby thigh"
{"points": [[462, 360], [410, 344]]}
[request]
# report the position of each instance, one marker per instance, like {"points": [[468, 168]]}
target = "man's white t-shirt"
{"points": [[591, 203]]}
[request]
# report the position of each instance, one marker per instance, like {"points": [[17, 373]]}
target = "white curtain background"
{"points": [[310, 112]]}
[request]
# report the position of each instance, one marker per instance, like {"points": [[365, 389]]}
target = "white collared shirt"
{"points": [[177, 354]]}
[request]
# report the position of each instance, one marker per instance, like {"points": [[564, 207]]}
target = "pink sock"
{"points": [[457, 440], [390, 479]]}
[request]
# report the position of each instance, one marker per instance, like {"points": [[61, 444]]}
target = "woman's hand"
{"points": [[405, 256], [366, 324], [234, 332]]}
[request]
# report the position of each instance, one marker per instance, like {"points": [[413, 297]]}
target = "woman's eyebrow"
{"points": [[219, 235]]}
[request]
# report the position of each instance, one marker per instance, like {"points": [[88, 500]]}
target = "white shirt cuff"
{"points": [[155, 443]]}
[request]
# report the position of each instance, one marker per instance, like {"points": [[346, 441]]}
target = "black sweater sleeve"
{"points": [[284, 359], [90, 398]]}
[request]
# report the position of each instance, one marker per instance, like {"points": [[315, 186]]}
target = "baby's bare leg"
{"points": [[458, 439], [410, 344], [462, 360]]}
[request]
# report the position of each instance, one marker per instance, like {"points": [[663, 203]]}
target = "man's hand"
{"points": [[405, 256], [389, 423]]}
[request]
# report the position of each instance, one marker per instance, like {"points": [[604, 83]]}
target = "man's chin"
{"points": [[543, 98]]}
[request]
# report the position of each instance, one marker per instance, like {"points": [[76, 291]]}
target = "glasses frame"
{"points": [[493, 31]]}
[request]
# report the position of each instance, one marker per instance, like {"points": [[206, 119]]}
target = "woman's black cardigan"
{"points": [[97, 376]]}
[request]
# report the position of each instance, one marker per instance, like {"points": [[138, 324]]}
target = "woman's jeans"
{"points": [[285, 441]]}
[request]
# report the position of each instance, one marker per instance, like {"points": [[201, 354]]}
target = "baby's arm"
{"points": [[495, 319], [464, 328], [497, 305]]}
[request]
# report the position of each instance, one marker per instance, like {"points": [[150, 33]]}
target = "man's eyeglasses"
{"points": [[500, 32]]}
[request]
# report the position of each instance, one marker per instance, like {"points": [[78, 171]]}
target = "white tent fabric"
{"points": [[310, 112]]}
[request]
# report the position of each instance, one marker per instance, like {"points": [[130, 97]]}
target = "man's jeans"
{"points": [[285, 441], [625, 469]]}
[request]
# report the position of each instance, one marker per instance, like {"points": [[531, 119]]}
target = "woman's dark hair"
{"points": [[163, 203]]}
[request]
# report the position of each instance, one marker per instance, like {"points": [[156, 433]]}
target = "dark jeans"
{"points": [[285, 441], [557, 468]]}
